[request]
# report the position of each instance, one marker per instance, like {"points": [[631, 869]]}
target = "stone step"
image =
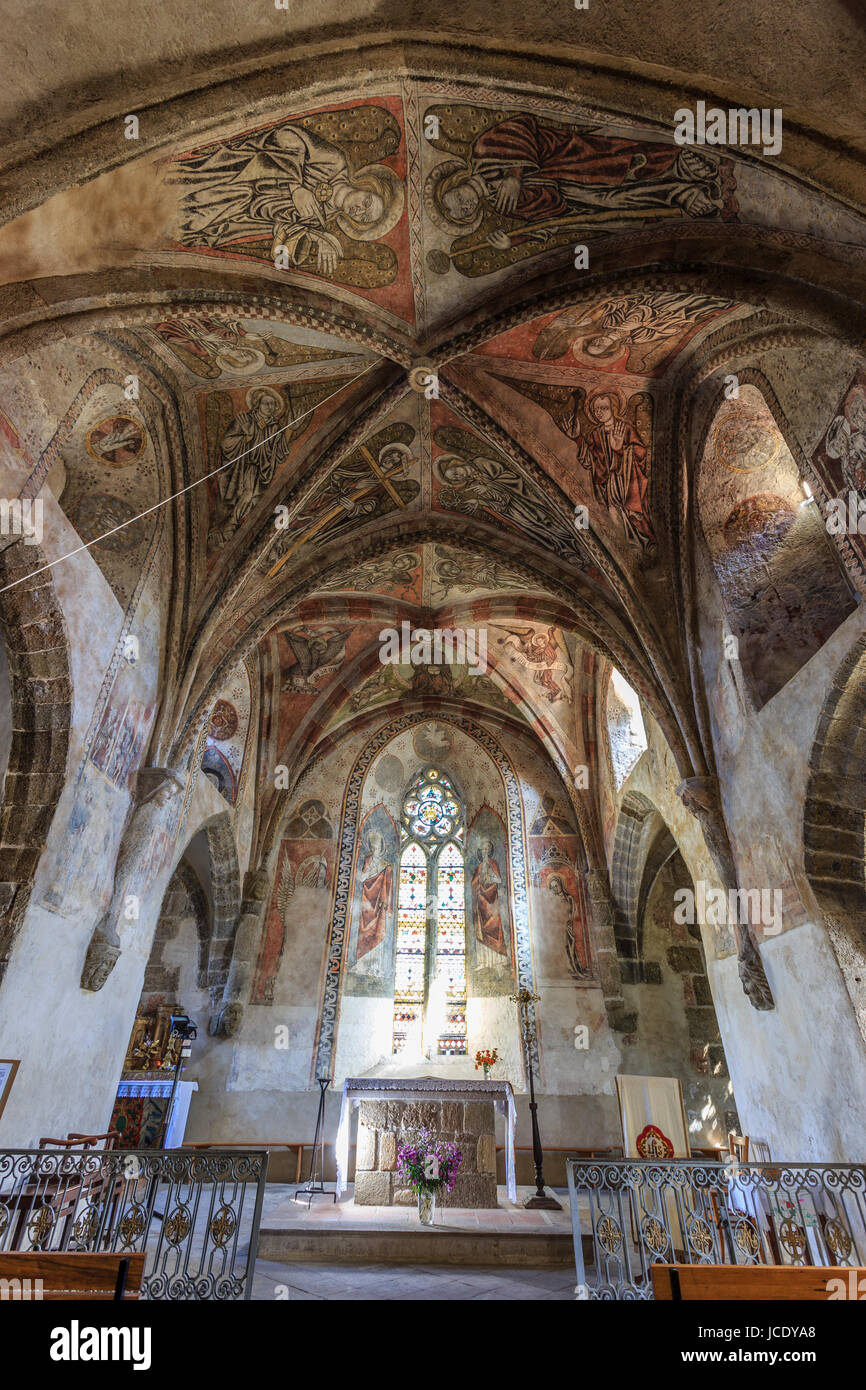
{"points": [[435, 1245]]}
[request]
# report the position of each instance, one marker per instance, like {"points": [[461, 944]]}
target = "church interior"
{"points": [[432, 653]]}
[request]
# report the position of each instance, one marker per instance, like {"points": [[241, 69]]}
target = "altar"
{"points": [[391, 1112]]}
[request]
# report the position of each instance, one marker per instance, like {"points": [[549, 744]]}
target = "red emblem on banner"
{"points": [[651, 1143]]}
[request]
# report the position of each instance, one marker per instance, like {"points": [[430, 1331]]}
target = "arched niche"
{"points": [[782, 584], [834, 822], [673, 1028], [626, 735], [356, 1032], [192, 945], [36, 697]]}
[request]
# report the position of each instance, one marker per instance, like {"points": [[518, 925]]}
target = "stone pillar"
{"points": [[384, 1125], [155, 787], [228, 1017], [702, 796]]}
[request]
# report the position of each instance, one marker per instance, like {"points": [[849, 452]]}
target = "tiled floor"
{"points": [[307, 1281]]}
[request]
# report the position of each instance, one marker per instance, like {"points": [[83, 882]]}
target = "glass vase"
{"points": [[426, 1206], [486, 1071]]}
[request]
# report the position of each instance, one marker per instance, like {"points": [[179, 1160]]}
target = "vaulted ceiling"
{"points": [[407, 349]]}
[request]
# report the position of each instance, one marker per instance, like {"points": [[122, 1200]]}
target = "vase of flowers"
{"points": [[428, 1166], [486, 1059]]}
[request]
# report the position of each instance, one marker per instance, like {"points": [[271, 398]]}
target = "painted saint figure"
{"points": [[377, 895], [616, 457], [291, 184], [253, 447], [486, 912], [535, 172], [576, 964]]}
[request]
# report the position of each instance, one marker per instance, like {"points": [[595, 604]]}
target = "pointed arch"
{"points": [[37, 646]]}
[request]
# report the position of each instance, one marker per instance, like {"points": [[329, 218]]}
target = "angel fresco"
{"points": [[612, 437], [546, 655], [250, 451], [292, 187], [630, 332], [526, 183], [617, 457]]}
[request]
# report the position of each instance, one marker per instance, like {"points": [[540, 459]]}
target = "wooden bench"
{"points": [[711, 1283], [41, 1275], [291, 1147]]}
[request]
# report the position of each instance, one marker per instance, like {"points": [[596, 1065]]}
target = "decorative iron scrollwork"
{"points": [[838, 1238], [609, 1235], [700, 1235], [223, 1226], [746, 1236], [177, 1225]]}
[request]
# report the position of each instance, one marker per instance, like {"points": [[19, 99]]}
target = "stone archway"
{"points": [[204, 889], [670, 1010], [34, 632], [834, 822], [628, 855]]}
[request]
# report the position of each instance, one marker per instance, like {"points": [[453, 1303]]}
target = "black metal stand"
{"points": [[540, 1199], [316, 1184]]}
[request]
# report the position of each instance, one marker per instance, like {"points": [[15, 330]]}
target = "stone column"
{"points": [[155, 788], [702, 796], [229, 1015]]}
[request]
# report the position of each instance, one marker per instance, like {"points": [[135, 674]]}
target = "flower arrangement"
{"points": [[429, 1164], [486, 1059]]}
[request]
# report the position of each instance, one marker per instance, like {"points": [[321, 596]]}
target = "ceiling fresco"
{"points": [[378, 387]]}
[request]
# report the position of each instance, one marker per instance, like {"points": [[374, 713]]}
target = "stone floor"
{"points": [[307, 1280], [400, 1283], [279, 1209]]}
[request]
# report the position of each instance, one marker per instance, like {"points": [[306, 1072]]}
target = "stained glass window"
{"points": [[411, 944], [451, 948], [430, 984]]}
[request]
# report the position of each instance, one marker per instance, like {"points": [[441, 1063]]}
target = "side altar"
{"points": [[392, 1110]]}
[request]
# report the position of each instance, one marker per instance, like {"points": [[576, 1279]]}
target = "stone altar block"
{"points": [[392, 1111]]}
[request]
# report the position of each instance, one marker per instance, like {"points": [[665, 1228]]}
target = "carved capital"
{"points": [[257, 885], [158, 785], [102, 956], [226, 1021], [753, 978]]}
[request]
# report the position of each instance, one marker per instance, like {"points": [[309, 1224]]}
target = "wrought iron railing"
{"points": [[628, 1215], [194, 1215]]}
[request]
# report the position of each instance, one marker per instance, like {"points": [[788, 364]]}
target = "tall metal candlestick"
{"points": [[523, 998]]}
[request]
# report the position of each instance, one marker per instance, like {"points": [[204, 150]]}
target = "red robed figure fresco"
{"points": [[485, 900], [377, 893], [549, 160], [538, 172]]}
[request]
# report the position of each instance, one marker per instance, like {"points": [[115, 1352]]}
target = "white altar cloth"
{"points": [[358, 1088]]}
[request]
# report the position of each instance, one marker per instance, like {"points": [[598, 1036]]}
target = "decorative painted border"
{"points": [[326, 1038]]}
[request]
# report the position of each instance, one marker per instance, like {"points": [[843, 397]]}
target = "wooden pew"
{"points": [[43, 1275], [712, 1283]]}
